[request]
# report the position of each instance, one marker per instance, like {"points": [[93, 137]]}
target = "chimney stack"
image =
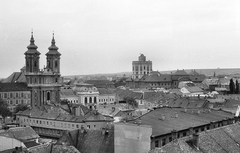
{"points": [[195, 140], [82, 129], [163, 117], [176, 115]]}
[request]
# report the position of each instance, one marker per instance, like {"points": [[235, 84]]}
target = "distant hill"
{"points": [[210, 72], [207, 72]]}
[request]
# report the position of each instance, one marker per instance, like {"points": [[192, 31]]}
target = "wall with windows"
{"points": [[13, 98], [159, 141], [108, 99]]}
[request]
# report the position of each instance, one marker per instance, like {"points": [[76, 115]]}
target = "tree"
{"points": [[214, 74], [21, 107], [237, 87], [231, 86], [131, 102], [4, 111]]}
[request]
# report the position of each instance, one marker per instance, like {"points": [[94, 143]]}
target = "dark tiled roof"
{"points": [[184, 120], [21, 133], [180, 72], [103, 91], [64, 149], [156, 78], [91, 141], [66, 93], [99, 82], [30, 144], [219, 140], [15, 77], [90, 116], [7, 87], [194, 89]]}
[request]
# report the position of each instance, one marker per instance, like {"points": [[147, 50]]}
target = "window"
{"points": [[90, 100], [95, 99], [156, 144], [56, 80], [56, 64], [5, 95], [73, 125], [88, 126], [16, 102], [163, 141], [170, 139], [85, 100], [11, 95], [184, 134], [77, 126]]}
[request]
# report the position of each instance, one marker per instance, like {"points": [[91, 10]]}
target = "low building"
{"points": [[166, 120], [106, 96], [101, 83], [222, 139], [88, 95], [69, 95], [14, 94], [117, 138], [53, 124], [155, 79]]}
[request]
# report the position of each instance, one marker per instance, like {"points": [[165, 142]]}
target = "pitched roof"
{"points": [[156, 78], [180, 72], [103, 91], [222, 139], [194, 89], [67, 93], [83, 141], [21, 133], [15, 77], [185, 120], [187, 103], [99, 82], [89, 117], [7, 87]]}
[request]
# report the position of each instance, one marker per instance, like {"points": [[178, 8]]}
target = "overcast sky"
{"points": [[105, 36]]}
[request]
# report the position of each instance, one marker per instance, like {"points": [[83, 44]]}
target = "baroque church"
{"points": [[45, 84]]}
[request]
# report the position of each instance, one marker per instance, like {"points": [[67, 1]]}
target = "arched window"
{"points": [[56, 64], [95, 99], [85, 100], [48, 95], [35, 63], [90, 99]]}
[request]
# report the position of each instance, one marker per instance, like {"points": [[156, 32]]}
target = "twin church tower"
{"points": [[45, 84]]}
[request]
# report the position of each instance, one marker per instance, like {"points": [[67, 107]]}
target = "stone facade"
{"points": [[141, 67]]}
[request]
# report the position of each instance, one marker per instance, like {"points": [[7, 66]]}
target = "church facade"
{"points": [[44, 84]]}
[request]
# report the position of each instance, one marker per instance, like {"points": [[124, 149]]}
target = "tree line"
{"points": [[233, 88]]}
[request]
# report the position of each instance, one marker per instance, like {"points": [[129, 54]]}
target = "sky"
{"points": [[105, 36]]}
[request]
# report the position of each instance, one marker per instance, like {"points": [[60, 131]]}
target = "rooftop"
{"points": [[7, 87], [219, 140], [184, 120]]}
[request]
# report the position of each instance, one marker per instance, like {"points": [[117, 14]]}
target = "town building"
{"points": [[88, 95], [141, 67], [183, 122], [44, 84], [69, 95], [101, 83], [54, 123], [106, 96], [14, 94], [222, 139], [155, 79], [117, 138]]}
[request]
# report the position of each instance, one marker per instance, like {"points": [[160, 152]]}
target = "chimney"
{"points": [[198, 112], [174, 134], [176, 115], [195, 140], [163, 117], [82, 129], [191, 131], [185, 110], [103, 131]]}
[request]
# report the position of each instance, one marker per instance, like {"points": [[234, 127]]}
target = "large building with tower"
{"points": [[141, 67], [44, 84]]}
